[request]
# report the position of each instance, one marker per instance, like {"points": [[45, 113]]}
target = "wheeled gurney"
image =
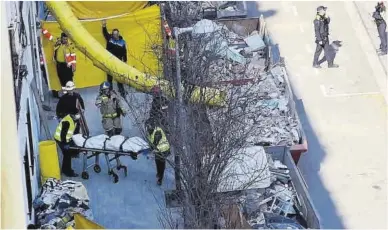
{"points": [[118, 146]]}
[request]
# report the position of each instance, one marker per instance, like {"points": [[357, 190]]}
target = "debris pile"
{"points": [[265, 113], [261, 96], [59, 201], [275, 207]]}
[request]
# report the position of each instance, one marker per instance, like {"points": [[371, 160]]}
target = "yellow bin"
{"points": [[82, 222], [48, 160]]}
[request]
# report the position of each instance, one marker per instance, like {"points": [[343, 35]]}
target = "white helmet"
{"points": [[69, 86]]}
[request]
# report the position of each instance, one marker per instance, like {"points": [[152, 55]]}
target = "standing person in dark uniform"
{"points": [[381, 27], [116, 45], [67, 104], [64, 56], [159, 108], [321, 27], [63, 136], [160, 146]]}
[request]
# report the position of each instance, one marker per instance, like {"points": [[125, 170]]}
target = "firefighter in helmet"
{"points": [[111, 109]]}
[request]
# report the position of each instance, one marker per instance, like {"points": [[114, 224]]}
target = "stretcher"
{"points": [[81, 144], [95, 153]]}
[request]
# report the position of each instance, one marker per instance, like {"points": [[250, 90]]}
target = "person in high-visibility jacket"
{"points": [[160, 146], [63, 136], [159, 107], [64, 56], [111, 109]]}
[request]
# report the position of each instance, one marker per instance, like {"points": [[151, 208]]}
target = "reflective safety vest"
{"points": [[71, 59], [167, 28], [65, 53], [163, 145], [110, 115], [108, 106], [70, 132]]}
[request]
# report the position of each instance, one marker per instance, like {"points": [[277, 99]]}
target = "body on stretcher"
{"points": [[117, 146]]}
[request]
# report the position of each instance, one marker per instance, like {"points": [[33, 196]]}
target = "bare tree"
{"points": [[210, 141]]}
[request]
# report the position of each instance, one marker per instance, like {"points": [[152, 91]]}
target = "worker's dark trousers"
{"points": [[119, 85], [383, 37], [67, 155], [65, 73], [160, 162], [318, 50]]}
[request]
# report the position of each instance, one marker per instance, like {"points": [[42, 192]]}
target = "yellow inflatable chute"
{"points": [[104, 60], [140, 30], [96, 9]]}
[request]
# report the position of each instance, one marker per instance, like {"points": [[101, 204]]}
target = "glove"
{"points": [[58, 42], [66, 147], [320, 42], [124, 113]]}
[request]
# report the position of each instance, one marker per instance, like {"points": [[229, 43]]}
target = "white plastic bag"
{"points": [[96, 142], [114, 142], [79, 140], [135, 144]]}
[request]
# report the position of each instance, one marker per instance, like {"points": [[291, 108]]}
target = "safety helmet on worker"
{"points": [[69, 86], [105, 87], [149, 124]]}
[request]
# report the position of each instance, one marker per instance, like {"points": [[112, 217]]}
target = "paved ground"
{"points": [[342, 111], [135, 201]]}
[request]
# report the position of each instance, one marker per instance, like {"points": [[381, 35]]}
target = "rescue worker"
{"points": [[67, 104], [159, 108], [381, 27], [111, 109], [64, 56], [63, 136], [116, 45], [321, 27], [160, 147]]}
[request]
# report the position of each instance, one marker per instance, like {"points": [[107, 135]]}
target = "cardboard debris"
{"points": [[255, 42]]}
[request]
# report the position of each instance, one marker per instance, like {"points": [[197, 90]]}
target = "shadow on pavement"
{"points": [[333, 50], [310, 164], [253, 10]]}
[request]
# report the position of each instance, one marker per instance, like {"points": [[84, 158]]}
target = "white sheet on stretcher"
{"points": [[133, 144]]}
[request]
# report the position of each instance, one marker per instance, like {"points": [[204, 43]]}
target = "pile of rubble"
{"points": [[263, 96], [276, 206], [269, 119]]}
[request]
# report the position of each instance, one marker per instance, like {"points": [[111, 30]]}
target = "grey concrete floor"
{"points": [[342, 111]]}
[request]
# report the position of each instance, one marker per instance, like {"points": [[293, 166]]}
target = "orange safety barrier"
{"points": [[47, 34]]}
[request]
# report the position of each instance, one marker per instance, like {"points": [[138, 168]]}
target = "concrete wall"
{"points": [[15, 205]]}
